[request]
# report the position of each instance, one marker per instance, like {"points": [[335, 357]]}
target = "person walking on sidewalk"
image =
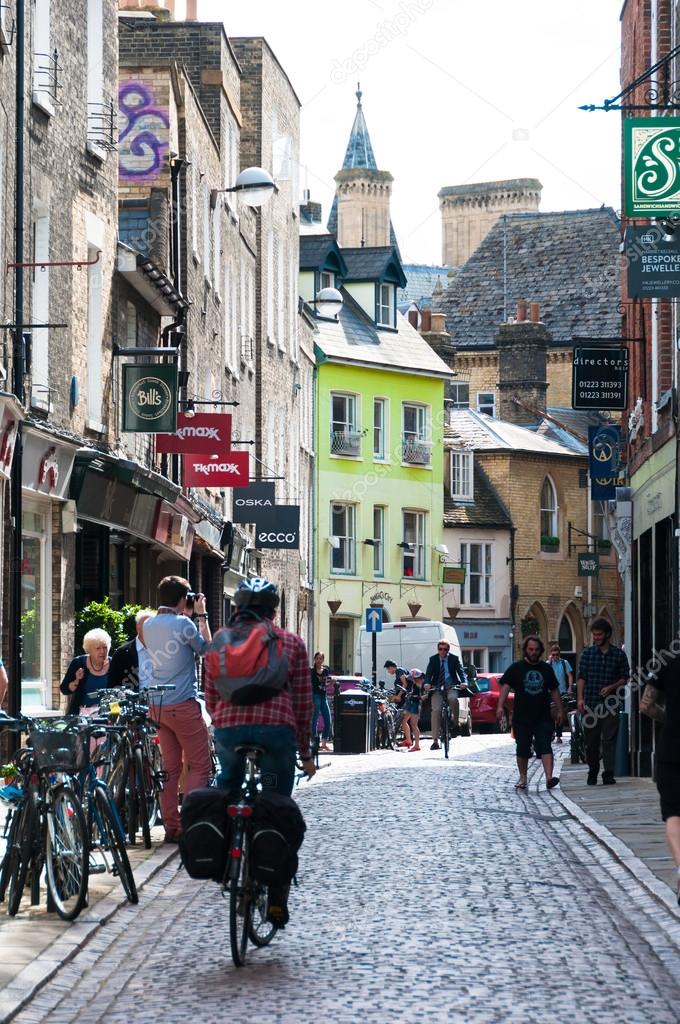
{"points": [[412, 702], [320, 677], [172, 642], [443, 675], [565, 680], [535, 685], [661, 702], [602, 673]]}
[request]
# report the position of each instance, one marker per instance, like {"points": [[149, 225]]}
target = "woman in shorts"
{"points": [[412, 702]]}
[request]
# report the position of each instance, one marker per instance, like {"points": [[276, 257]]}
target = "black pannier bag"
{"points": [[206, 833], [277, 830]]}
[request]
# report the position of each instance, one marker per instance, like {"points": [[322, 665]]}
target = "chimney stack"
{"points": [[523, 366], [192, 10]]}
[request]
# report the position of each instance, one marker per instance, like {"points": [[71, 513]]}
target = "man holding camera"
{"points": [[172, 641]]}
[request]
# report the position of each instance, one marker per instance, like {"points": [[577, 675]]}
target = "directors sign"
{"points": [[600, 378]]}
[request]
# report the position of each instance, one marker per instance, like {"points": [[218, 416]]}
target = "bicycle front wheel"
{"points": [[445, 730], [66, 853], [111, 839], [144, 796], [240, 912], [260, 931]]}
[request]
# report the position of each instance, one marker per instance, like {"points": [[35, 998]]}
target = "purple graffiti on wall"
{"points": [[143, 140]]}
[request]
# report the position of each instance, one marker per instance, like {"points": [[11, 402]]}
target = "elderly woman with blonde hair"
{"points": [[88, 672]]}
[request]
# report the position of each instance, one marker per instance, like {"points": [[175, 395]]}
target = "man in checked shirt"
{"points": [[602, 673], [279, 725]]}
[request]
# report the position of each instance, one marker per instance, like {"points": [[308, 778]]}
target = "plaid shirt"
{"points": [[600, 670], [293, 707]]}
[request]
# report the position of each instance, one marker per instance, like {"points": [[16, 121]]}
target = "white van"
{"points": [[410, 644]]}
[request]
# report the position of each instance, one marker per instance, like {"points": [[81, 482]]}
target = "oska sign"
{"points": [[253, 502], [278, 528], [206, 433], [149, 398]]}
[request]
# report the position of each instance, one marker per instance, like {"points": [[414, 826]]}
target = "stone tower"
{"points": [[470, 211], [360, 215], [522, 366]]}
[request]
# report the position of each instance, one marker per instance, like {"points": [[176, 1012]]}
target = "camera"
{"points": [[190, 598]]}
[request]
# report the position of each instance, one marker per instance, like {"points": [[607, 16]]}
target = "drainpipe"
{"points": [[314, 502], [16, 641]]}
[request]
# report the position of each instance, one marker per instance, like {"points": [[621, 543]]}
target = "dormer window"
{"points": [[326, 280], [386, 305], [461, 476]]}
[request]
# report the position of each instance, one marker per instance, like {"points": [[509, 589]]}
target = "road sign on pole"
{"points": [[374, 620]]}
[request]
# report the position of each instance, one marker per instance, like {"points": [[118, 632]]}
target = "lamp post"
{"points": [[254, 185], [327, 304]]}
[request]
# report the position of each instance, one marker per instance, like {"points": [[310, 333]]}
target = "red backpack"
{"points": [[246, 662]]}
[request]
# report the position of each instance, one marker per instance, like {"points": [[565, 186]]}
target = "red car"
{"points": [[483, 704]]}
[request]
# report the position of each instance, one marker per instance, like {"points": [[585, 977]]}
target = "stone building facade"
{"points": [[469, 212]]}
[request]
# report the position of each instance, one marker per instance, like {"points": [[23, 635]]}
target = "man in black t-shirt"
{"points": [[667, 683], [535, 686]]}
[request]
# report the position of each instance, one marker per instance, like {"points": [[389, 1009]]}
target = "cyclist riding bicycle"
{"points": [[280, 725]]}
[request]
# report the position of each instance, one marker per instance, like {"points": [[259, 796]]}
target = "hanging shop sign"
{"points": [[603, 488], [604, 450], [149, 398], [253, 500], [453, 574], [227, 470], [588, 563], [652, 263], [206, 433], [651, 162], [46, 465], [599, 378], [278, 528]]}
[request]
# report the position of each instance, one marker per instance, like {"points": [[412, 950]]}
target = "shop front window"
{"points": [[33, 599]]}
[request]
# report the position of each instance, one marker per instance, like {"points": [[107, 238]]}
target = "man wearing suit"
{"points": [[444, 674], [124, 668]]}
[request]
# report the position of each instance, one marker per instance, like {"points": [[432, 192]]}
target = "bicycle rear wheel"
{"points": [[445, 728], [66, 853], [240, 911], [112, 840]]}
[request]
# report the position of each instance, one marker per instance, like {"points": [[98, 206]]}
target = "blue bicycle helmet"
{"points": [[257, 593]]}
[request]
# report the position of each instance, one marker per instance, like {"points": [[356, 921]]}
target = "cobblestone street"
{"points": [[429, 890]]}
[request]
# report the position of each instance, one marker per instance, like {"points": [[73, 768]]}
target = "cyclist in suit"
{"points": [[444, 674]]}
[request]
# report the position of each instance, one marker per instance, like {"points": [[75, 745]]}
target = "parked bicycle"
{"points": [[577, 749], [48, 827]]}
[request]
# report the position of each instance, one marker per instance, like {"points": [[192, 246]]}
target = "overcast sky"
{"points": [[453, 92]]}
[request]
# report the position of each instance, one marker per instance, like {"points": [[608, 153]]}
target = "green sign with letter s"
{"points": [[651, 159], [150, 398]]}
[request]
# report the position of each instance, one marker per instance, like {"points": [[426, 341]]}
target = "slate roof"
{"points": [[473, 430], [314, 251], [372, 263], [354, 337], [567, 262], [487, 510], [420, 282]]}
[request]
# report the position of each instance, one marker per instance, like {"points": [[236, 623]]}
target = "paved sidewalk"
{"points": [[35, 944]]}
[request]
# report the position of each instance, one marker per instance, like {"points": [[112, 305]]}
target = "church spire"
{"points": [[359, 151]]}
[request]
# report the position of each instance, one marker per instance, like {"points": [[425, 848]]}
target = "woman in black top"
{"points": [[320, 676], [87, 673]]}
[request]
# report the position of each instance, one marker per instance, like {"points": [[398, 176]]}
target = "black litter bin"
{"points": [[354, 714]]}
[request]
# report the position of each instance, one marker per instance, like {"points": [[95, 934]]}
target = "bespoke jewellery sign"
{"points": [[206, 433], [651, 166], [149, 398], [229, 469], [652, 263], [599, 378]]}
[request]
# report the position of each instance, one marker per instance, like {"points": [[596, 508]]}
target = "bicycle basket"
{"points": [[60, 746]]}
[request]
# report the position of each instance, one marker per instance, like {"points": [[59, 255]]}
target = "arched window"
{"points": [[566, 635], [549, 522]]}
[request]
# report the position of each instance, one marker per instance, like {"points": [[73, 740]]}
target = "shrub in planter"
{"points": [[118, 623], [549, 543]]}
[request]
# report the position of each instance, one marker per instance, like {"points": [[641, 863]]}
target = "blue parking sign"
{"points": [[374, 620]]}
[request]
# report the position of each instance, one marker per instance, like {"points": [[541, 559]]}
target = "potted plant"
{"points": [[9, 775], [530, 626], [549, 543]]}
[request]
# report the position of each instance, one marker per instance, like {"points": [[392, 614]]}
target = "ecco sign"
{"points": [[150, 398], [206, 433], [278, 528]]}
